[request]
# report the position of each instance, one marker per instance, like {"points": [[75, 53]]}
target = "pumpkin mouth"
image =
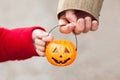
{"points": [[60, 62]]}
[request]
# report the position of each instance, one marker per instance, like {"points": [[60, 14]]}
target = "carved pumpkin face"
{"points": [[60, 52]]}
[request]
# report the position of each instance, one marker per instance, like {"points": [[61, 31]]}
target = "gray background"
{"points": [[98, 56]]}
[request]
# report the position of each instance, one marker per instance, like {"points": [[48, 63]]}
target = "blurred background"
{"points": [[98, 56]]}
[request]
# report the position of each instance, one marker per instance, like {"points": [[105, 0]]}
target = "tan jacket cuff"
{"points": [[92, 7]]}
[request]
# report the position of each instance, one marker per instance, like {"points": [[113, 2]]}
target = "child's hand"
{"points": [[40, 38]]}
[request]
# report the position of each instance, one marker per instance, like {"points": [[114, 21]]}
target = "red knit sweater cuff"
{"points": [[17, 44], [28, 47]]}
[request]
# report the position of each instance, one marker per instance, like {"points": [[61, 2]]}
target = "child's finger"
{"points": [[39, 42], [39, 34], [48, 38], [42, 54], [40, 48]]}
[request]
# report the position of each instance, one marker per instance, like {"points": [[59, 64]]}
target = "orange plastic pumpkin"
{"points": [[60, 52]]}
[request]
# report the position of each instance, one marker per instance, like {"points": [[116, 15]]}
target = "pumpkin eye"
{"points": [[55, 50], [66, 50]]}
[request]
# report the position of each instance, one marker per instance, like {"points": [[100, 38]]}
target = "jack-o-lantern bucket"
{"points": [[61, 52]]}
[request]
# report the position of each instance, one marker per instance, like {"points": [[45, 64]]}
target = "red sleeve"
{"points": [[16, 44]]}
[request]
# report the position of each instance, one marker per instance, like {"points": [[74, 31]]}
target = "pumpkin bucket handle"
{"points": [[64, 25]]}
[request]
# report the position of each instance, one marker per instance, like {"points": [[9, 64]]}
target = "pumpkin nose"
{"points": [[60, 56]]}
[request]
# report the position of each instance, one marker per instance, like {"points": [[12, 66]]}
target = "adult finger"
{"points": [[67, 28], [80, 25], [94, 25], [88, 24], [71, 16], [62, 22]]}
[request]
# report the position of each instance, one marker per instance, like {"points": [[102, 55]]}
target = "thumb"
{"points": [[71, 16]]}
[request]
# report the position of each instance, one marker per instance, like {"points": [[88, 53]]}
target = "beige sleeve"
{"points": [[92, 7]]}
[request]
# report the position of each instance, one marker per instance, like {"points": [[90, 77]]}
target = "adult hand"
{"points": [[76, 22], [40, 38]]}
